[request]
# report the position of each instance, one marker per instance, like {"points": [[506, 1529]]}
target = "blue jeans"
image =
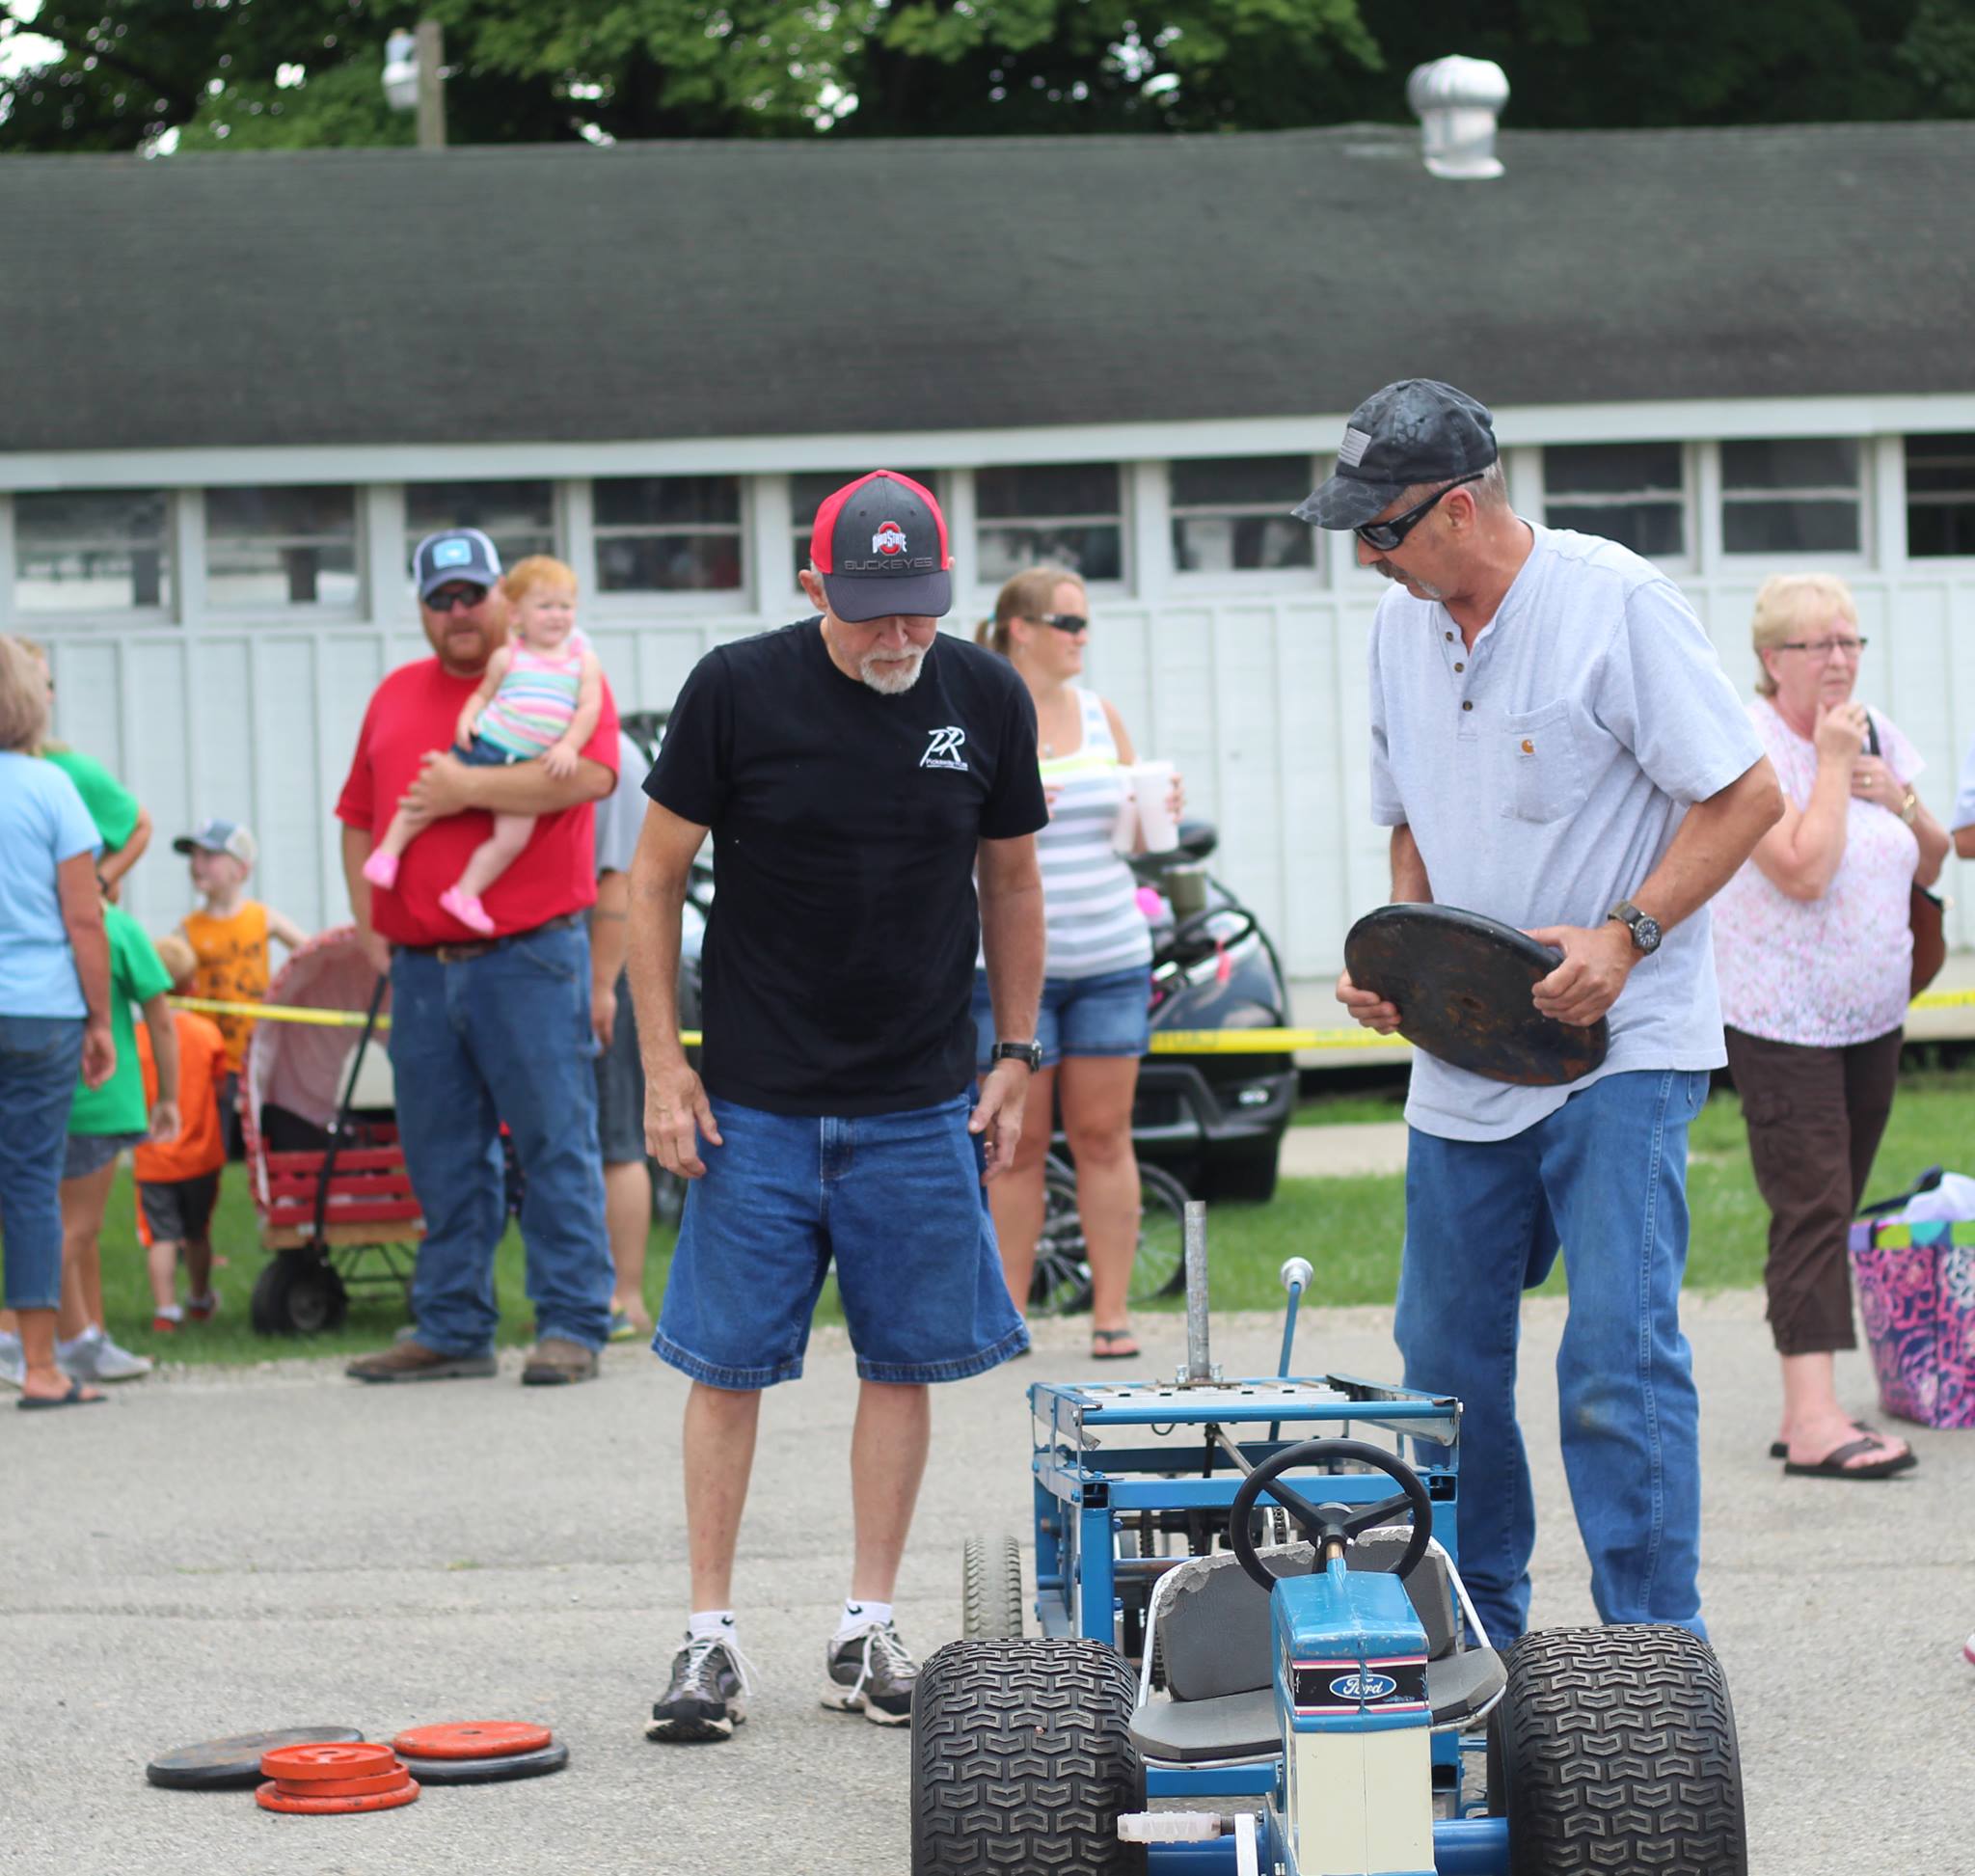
{"points": [[1607, 1174], [40, 1062], [895, 1199], [503, 1037]]}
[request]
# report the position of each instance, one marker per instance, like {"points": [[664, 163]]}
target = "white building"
{"points": [[233, 389]]}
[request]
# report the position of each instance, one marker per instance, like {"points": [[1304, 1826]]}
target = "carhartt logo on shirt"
{"points": [[943, 749]]}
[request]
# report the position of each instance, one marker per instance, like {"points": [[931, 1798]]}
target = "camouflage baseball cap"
{"points": [[1417, 430]]}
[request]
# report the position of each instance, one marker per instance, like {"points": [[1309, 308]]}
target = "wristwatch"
{"points": [[1909, 808], [1029, 1054], [1645, 931]]}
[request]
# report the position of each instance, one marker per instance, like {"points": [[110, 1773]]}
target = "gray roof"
{"points": [[689, 290]]}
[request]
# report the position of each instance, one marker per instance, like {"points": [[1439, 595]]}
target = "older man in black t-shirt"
{"points": [[862, 776]]}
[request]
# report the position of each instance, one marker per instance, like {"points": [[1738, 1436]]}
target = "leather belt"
{"points": [[459, 954]]}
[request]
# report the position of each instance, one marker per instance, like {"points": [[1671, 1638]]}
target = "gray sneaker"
{"points": [[13, 1363], [707, 1697], [94, 1357], [872, 1673]]}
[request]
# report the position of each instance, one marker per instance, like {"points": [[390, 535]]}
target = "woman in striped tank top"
{"points": [[1094, 1023], [541, 697]]}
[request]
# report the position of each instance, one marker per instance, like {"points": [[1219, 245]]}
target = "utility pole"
{"points": [[431, 63]]}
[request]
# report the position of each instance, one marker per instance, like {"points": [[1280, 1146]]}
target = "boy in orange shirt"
{"points": [[229, 937], [179, 1179]]}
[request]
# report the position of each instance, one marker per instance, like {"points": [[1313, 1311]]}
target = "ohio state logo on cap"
{"points": [[880, 546], [891, 538]]}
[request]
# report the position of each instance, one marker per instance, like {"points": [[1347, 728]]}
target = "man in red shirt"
{"points": [[485, 1031]]}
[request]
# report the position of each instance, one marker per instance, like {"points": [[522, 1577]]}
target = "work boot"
{"points": [[706, 1697], [556, 1362], [872, 1673], [412, 1361]]}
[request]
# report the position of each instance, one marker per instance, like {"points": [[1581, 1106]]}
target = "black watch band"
{"points": [[1645, 930], [1030, 1054]]}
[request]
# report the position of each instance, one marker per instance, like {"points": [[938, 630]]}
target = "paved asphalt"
{"points": [[216, 1554]]}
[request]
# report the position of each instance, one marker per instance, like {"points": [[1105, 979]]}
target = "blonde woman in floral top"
{"points": [[1814, 955]]}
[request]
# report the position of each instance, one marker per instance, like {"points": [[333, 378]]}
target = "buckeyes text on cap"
{"points": [[879, 545], [219, 837], [1417, 430], [462, 553]]}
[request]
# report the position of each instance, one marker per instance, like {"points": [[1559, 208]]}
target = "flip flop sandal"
{"points": [[1104, 1346], [1780, 1449], [1832, 1465], [74, 1398]]}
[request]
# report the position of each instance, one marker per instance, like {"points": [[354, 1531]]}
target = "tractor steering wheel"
{"points": [[1323, 1522]]}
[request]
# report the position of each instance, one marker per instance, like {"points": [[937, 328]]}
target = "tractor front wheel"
{"points": [[1022, 1760], [1613, 1749], [991, 1590]]}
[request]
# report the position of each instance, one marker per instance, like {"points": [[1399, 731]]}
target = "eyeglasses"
{"points": [[1065, 621], [1823, 647], [450, 599], [1385, 535]]}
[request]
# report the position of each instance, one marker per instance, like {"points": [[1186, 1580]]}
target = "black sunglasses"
{"points": [[1385, 535], [1065, 621], [452, 601]]}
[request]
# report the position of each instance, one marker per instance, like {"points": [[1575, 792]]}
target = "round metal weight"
{"points": [[311, 1764], [365, 1787], [472, 1739], [489, 1771], [234, 1763], [271, 1797]]}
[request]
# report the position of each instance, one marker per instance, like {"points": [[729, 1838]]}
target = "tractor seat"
{"points": [[1214, 1636]]}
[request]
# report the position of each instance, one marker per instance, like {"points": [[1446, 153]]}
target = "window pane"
{"points": [[1611, 468], [1241, 543], [281, 546], [1791, 463], [1096, 553], [1940, 495], [1789, 527], [101, 551], [518, 517], [665, 563], [1038, 490], [1658, 529], [667, 501], [1242, 481]]}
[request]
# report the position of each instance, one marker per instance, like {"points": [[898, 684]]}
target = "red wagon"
{"points": [[329, 1187]]}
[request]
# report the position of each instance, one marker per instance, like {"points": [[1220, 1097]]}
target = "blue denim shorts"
{"points": [[895, 1199], [1111, 1014], [480, 753], [85, 1153]]}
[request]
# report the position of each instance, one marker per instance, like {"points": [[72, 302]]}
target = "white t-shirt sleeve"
{"points": [[1388, 810], [1964, 793], [620, 814], [1664, 696]]}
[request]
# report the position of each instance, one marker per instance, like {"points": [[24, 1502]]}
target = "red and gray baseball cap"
{"points": [[1417, 430], [880, 545]]}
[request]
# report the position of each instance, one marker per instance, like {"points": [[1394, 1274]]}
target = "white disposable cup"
{"points": [[1151, 785]]}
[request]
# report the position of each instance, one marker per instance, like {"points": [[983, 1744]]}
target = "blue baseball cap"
{"points": [[454, 553]]}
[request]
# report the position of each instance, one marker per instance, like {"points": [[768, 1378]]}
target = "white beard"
{"points": [[889, 679]]}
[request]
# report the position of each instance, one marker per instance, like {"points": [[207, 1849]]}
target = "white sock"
{"points": [[857, 1616], [710, 1625], [170, 1313]]}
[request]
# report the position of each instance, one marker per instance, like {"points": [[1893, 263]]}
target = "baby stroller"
{"points": [[327, 1178]]}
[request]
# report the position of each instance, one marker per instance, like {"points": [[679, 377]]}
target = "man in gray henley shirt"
{"points": [[1553, 745]]}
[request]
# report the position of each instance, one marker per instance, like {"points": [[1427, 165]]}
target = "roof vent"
{"points": [[1458, 102]]}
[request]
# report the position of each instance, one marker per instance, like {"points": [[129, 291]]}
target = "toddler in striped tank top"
{"points": [[541, 697]]}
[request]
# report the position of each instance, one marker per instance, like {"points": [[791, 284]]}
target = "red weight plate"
{"points": [[305, 1764], [473, 1739], [271, 1797], [390, 1781]]}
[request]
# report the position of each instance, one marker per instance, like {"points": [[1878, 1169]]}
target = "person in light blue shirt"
{"points": [[54, 1019], [1554, 745]]}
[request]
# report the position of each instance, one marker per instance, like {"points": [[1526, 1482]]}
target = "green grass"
{"points": [[1350, 1229]]}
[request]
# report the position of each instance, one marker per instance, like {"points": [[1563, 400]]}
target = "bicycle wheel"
{"points": [[1061, 1284], [1160, 1268]]}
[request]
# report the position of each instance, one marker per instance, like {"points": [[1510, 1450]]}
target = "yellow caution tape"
{"points": [[276, 1013]]}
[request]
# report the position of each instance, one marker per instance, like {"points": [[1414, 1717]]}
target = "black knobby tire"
{"points": [[1022, 1760], [298, 1293], [991, 1590], [1615, 1749]]}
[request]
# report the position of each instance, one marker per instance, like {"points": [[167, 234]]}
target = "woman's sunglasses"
{"points": [[1065, 621], [1385, 535]]}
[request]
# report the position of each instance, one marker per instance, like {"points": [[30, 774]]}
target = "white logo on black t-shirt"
{"points": [[943, 749]]}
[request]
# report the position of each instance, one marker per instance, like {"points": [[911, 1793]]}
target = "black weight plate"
{"points": [[489, 1771], [1461, 984], [230, 1764]]}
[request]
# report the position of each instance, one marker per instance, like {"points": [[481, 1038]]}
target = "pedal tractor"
{"points": [[1251, 1652]]}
